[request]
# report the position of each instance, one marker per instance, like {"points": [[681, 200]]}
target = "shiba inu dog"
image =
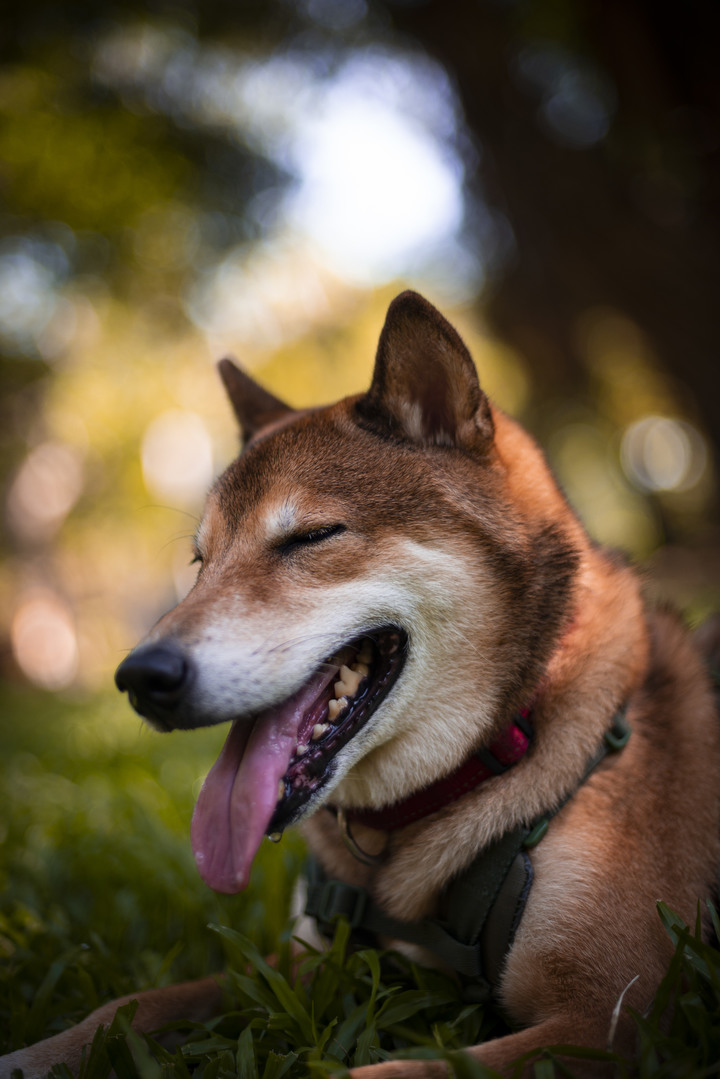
{"points": [[425, 659]]}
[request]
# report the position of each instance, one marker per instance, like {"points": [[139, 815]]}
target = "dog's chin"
{"points": [[277, 765]]}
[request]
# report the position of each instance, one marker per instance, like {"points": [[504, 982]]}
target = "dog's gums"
{"points": [[273, 764]]}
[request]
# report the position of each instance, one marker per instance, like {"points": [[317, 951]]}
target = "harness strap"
{"points": [[327, 899], [480, 909]]}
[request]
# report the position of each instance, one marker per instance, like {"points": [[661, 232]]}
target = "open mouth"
{"points": [[366, 669], [272, 765]]}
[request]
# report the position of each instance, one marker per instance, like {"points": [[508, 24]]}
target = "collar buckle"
{"points": [[352, 844]]}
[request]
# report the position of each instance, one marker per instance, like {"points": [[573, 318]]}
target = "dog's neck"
{"points": [[508, 748]]}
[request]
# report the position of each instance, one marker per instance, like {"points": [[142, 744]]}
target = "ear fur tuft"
{"points": [[425, 387], [253, 406]]}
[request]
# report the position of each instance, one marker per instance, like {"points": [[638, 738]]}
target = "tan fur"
{"points": [[456, 530]]}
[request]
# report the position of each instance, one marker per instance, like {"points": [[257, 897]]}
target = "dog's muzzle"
{"points": [[155, 678]]}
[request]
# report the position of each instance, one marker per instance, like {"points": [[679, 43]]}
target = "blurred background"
{"points": [[184, 180], [181, 180]]}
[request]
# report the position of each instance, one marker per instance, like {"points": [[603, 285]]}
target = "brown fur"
{"points": [[525, 607]]}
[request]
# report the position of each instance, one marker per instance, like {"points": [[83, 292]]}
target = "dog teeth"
{"points": [[389, 644], [366, 652], [348, 683], [319, 729], [336, 707], [301, 749], [281, 789]]}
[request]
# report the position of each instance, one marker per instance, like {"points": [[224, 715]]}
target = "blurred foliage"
{"points": [[92, 165], [99, 894], [146, 156]]}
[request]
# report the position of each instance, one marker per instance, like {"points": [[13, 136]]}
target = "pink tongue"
{"points": [[240, 793]]}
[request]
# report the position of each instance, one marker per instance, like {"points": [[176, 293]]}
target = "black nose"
{"points": [[155, 678]]}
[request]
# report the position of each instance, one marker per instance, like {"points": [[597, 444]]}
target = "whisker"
{"points": [[186, 536], [288, 643], [194, 517]]}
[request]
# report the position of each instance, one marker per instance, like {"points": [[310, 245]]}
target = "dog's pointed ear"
{"points": [[425, 387], [253, 406]]}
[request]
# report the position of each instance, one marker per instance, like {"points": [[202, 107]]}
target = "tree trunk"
{"points": [[630, 222]]}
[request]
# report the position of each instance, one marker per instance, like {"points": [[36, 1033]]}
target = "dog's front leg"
{"points": [[197, 1001], [500, 1054]]}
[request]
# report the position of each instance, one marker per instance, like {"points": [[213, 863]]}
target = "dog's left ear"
{"points": [[254, 407], [425, 387]]}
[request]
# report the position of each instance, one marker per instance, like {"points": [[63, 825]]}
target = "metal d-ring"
{"points": [[351, 844]]}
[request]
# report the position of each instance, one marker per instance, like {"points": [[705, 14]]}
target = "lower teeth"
{"points": [[335, 707]]}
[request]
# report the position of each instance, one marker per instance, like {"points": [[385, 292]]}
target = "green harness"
{"points": [[481, 908]]}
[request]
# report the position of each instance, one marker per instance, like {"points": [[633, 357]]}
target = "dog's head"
{"points": [[373, 597]]}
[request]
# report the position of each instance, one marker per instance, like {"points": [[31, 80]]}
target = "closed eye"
{"points": [[308, 539]]}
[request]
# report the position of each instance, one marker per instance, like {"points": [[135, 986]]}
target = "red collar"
{"points": [[507, 749]]}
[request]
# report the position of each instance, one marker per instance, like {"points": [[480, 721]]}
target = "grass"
{"points": [[99, 896]]}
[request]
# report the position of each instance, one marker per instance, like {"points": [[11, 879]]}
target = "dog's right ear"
{"points": [[425, 387], [253, 406]]}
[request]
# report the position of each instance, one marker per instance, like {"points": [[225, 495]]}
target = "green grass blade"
{"points": [[405, 1005], [277, 1065], [37, 1016], [283, 992], [245, 1062]]}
